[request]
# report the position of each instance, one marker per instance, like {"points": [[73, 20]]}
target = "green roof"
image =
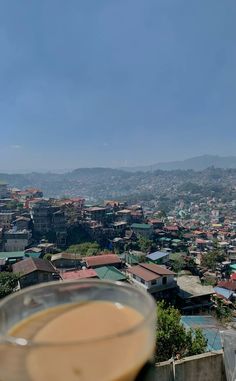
{"points": [[11, 254], [176, 240], [110, 273], [141, 226], [33, 255], [233, 267]]}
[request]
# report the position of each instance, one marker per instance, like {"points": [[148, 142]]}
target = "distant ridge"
{"points": [[198, 163]]}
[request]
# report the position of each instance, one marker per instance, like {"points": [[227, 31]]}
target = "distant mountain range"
{"points": [[110, 183], [198, 163]]}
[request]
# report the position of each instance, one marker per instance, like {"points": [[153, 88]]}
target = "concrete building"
{"points": [[42, 216], [4, 193], [6, 219], [144, 230], [16, 240]]}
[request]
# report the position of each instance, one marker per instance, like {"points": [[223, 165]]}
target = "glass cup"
{"points": [[116, 357]]}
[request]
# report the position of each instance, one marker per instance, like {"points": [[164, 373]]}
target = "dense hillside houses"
{"points": [[186, 254]]}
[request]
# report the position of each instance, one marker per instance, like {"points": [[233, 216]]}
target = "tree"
{"points": [[222, 312], [145, 244], [85, 249], [211, 259], [173, 340], [177, 263], [8, 282]]}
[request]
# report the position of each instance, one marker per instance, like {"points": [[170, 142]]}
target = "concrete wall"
{"points": [[205, 367]]}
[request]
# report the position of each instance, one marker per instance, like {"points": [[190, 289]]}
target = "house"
{"points": [[102, 260], [157, 280], [110, 273], [34, 270], [192, 295], [66, 260], [145, 230], [158, 257], [78, 274]]}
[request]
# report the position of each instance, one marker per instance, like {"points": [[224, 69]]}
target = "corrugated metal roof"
{"points": [[99, 260], [110, 273], [12, 254], [141, 226], [29, 265], [157, 255], [143, 273], [160, 270], [229, 285], [210, 327], [223, 292], [79, 274]]}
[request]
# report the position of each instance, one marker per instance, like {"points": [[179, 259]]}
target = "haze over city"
{"points": [[115, 83]]}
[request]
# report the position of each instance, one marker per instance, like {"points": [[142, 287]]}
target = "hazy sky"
{"points": [[115, 82]]}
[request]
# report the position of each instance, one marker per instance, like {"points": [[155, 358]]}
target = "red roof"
{"points": [[201, 241], [101, 260], [233, 276], [172, 228], [229, 285], [79, 274], [143, 273]]}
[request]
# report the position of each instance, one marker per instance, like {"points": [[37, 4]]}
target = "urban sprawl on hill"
{"points": [[170, 233]]}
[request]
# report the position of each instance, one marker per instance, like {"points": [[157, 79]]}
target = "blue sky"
{"points": [[115, 82]]}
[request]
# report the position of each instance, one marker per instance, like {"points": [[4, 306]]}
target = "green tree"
{"points": [[222, 312], [177, 262], [8, 282], [213, 257], [145, 244], [85, 249], [172, 337]]}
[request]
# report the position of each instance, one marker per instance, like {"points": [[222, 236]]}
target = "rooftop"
{"points": [[99, 260], [157, 255], [190, 286], [29, 265], [149, 272], [141, 226], [12, 254], [110, 273], [79, 274]]}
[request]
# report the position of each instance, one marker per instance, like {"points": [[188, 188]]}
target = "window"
{"points": [[153, 282], [164, 280]]}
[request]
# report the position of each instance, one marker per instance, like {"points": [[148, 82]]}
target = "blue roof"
{"points": [[210, 328], [157, 255], [222, 291]]}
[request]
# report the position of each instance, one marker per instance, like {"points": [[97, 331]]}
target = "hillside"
{"points": [[106, 183]]}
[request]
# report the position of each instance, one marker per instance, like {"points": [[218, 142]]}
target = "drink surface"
{"points": [[85, 342]]}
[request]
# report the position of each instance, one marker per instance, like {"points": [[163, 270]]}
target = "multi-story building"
{"points": [[16, 240], [6, 219], [42, 213], [4, 193], [95, 213]]}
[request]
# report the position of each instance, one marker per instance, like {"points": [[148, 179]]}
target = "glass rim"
{"points": [[19, 341]]}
